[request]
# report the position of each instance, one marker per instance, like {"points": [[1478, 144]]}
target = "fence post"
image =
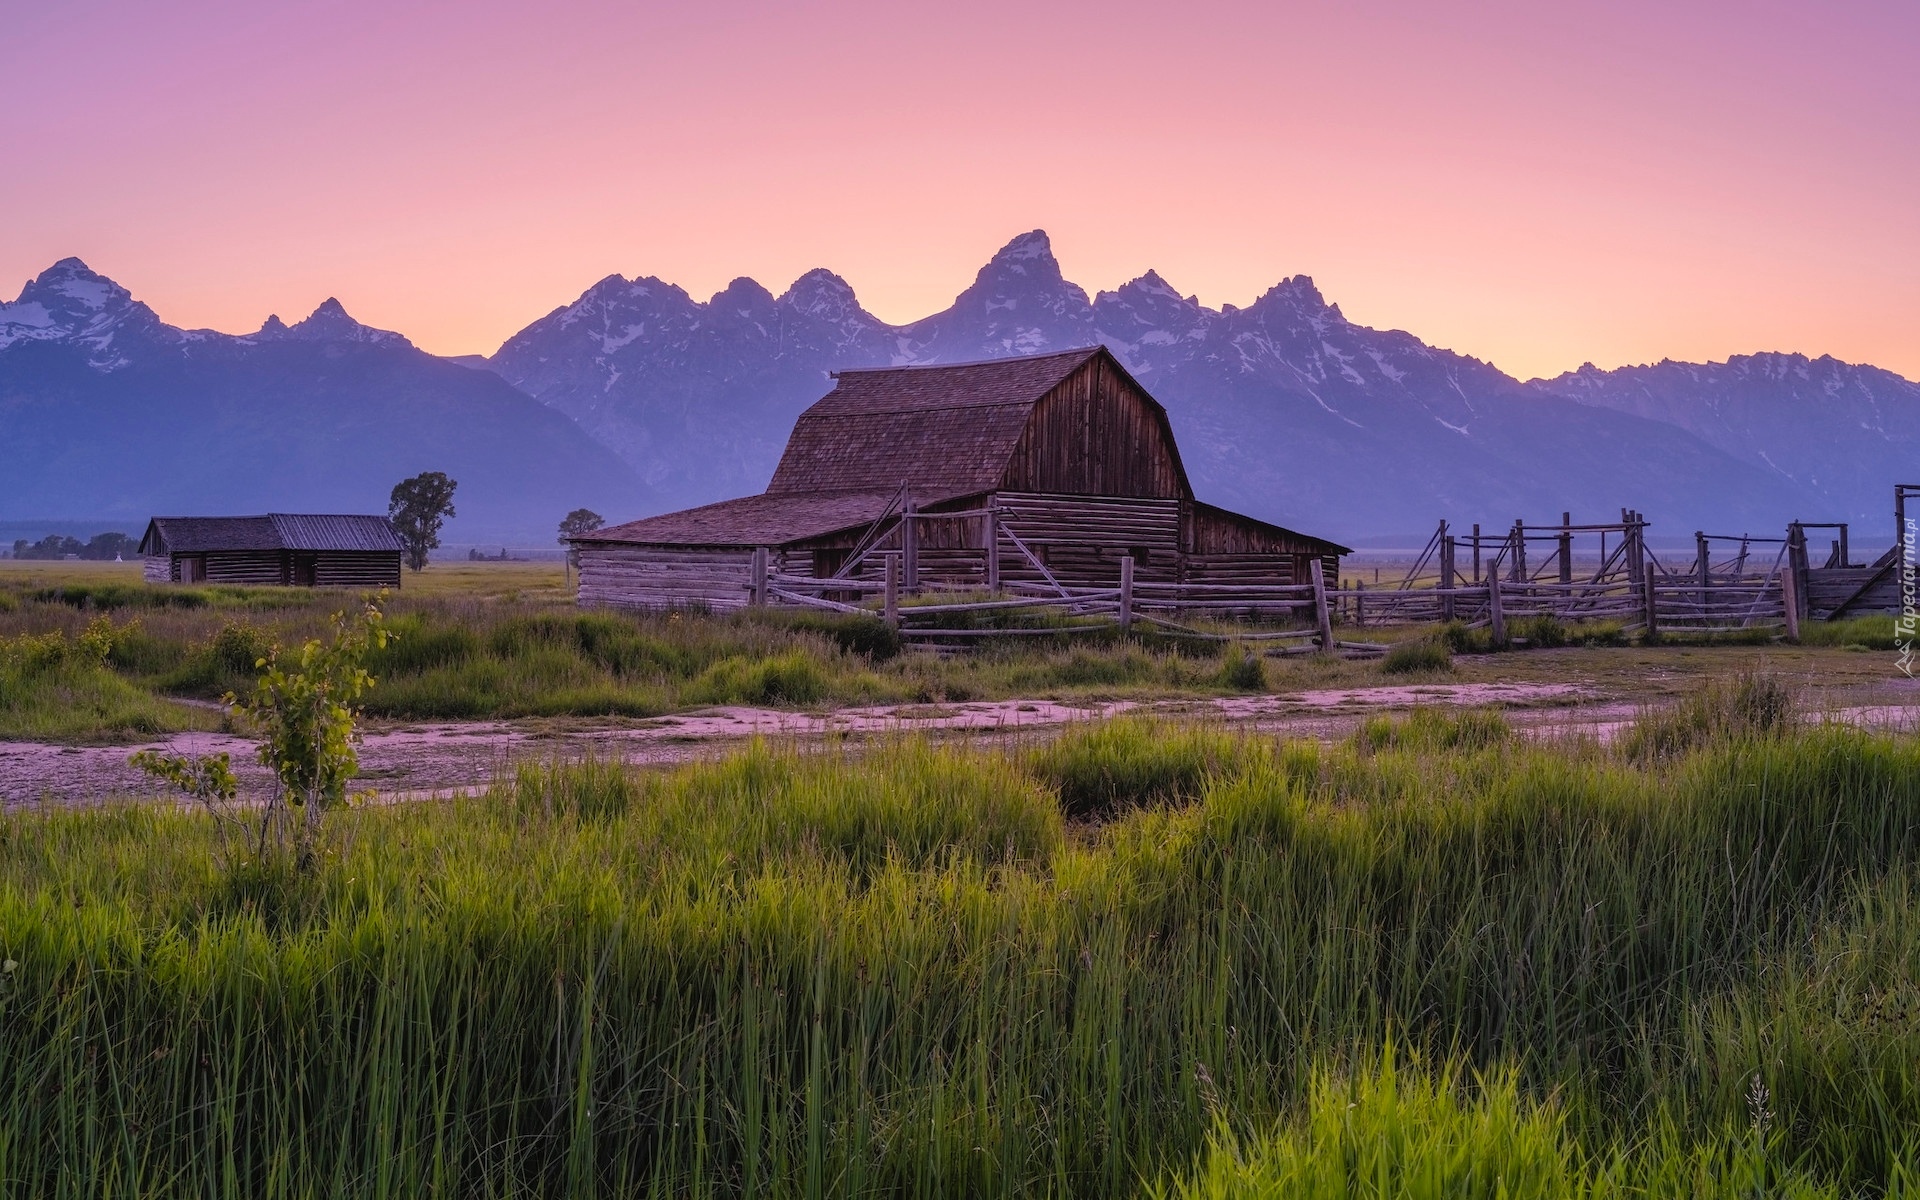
{"points": [[1566, 547], [759, 576], [993, 549], [1360, 603], [1635, 552], [1651, 600], [1797, 563], [1476, 552], [1446, 577], [1520, 551], [1496, 618], [1126, 593], [1702, 563], [1320, 613], [1790, 605], [910, 546], [892, 602]]}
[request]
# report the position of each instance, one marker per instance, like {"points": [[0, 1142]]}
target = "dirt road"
{"points": [[403, 761]]}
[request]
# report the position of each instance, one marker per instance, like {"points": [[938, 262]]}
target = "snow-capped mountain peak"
{"points": [[330, 323], [70, 302]]}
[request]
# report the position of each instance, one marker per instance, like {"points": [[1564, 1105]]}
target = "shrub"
{"points": [[1461, 638], [795, 677], [1541, 632], [1243, 670], [1409, 658], [31, 653], [239, 648]]}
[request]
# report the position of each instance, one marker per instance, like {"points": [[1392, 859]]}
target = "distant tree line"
{"points": [[107, 546]]}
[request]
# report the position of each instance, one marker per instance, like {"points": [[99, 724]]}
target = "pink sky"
{"points": [[1538, 184]]}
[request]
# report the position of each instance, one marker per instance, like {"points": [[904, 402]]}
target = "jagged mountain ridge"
{"points": [[1284, 408], [107, 412], [1840, 431]]}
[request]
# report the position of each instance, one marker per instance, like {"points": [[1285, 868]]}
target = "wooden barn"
{"points": [[288, 549], [1018, 469]]}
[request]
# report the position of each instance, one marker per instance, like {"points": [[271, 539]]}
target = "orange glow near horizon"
{"points": [[1535, 185]]}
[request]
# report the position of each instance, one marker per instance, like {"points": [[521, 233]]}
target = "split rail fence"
{"points": [[1481, 582]]}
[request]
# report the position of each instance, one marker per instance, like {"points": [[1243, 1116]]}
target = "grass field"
{"points": [[503, 641], [492, 640], [1140, 959]]}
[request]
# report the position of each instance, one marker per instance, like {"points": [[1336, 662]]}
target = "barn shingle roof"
{"points": [[764, 520], [946, 430], [274, 531]]}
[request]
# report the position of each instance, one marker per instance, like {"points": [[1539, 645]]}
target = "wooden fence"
{"points": [[1649, 599]]}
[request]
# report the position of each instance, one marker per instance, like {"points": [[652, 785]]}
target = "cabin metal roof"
{"points": [[271, 531], [945, 430]]}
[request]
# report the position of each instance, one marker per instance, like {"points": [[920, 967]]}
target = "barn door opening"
{"points": [[193, 570], [303, 570]]}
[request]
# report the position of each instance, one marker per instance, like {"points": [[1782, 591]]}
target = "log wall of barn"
{"points": [[654, 577], [1096, 434], [357, 569], [260, 567], [157, 568]]}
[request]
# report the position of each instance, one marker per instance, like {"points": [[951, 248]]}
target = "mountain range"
{"points": [[109, 413], [637, 398]]}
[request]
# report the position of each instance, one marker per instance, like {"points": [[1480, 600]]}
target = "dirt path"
{"points": [[422, 759]]}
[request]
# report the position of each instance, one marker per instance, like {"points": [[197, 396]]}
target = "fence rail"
{"points": [[1646, 600]]}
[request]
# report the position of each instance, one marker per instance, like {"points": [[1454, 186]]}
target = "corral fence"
{"points": [[1571, 573]]}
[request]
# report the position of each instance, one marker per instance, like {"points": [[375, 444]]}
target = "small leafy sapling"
{"points": [[304, 706]]}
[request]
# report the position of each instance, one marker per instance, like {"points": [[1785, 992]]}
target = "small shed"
{"points": [[286, 549], [1015, 469]]}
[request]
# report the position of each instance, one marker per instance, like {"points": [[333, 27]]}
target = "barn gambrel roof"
{"points": [[943, 430]]}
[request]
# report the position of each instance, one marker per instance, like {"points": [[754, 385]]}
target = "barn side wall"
{"points": [[157, 568], [1096, 434], [656, 577], [246, 566], [1226, 548], [344, 568]]}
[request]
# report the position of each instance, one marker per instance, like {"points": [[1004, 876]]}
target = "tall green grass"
{"points": [[909, 973]]}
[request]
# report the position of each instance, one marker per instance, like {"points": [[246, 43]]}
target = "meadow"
{"points": [[89, 653], [1140, 959]]}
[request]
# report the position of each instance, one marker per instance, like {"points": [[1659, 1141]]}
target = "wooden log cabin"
{"points": [[977, 474], [284, 549]]}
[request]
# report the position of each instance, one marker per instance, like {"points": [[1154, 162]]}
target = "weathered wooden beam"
{"points": [[1495, 615], [1322, 615], [993, 549], [1126, 594], [890, 606]]}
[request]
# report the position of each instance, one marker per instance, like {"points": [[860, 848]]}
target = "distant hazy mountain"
{"points": [[1843, 433], [636, 398], [1284, 409], [108, 412]]}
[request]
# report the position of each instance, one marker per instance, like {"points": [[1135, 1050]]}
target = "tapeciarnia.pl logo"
{"points": [[1908, 623]]}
